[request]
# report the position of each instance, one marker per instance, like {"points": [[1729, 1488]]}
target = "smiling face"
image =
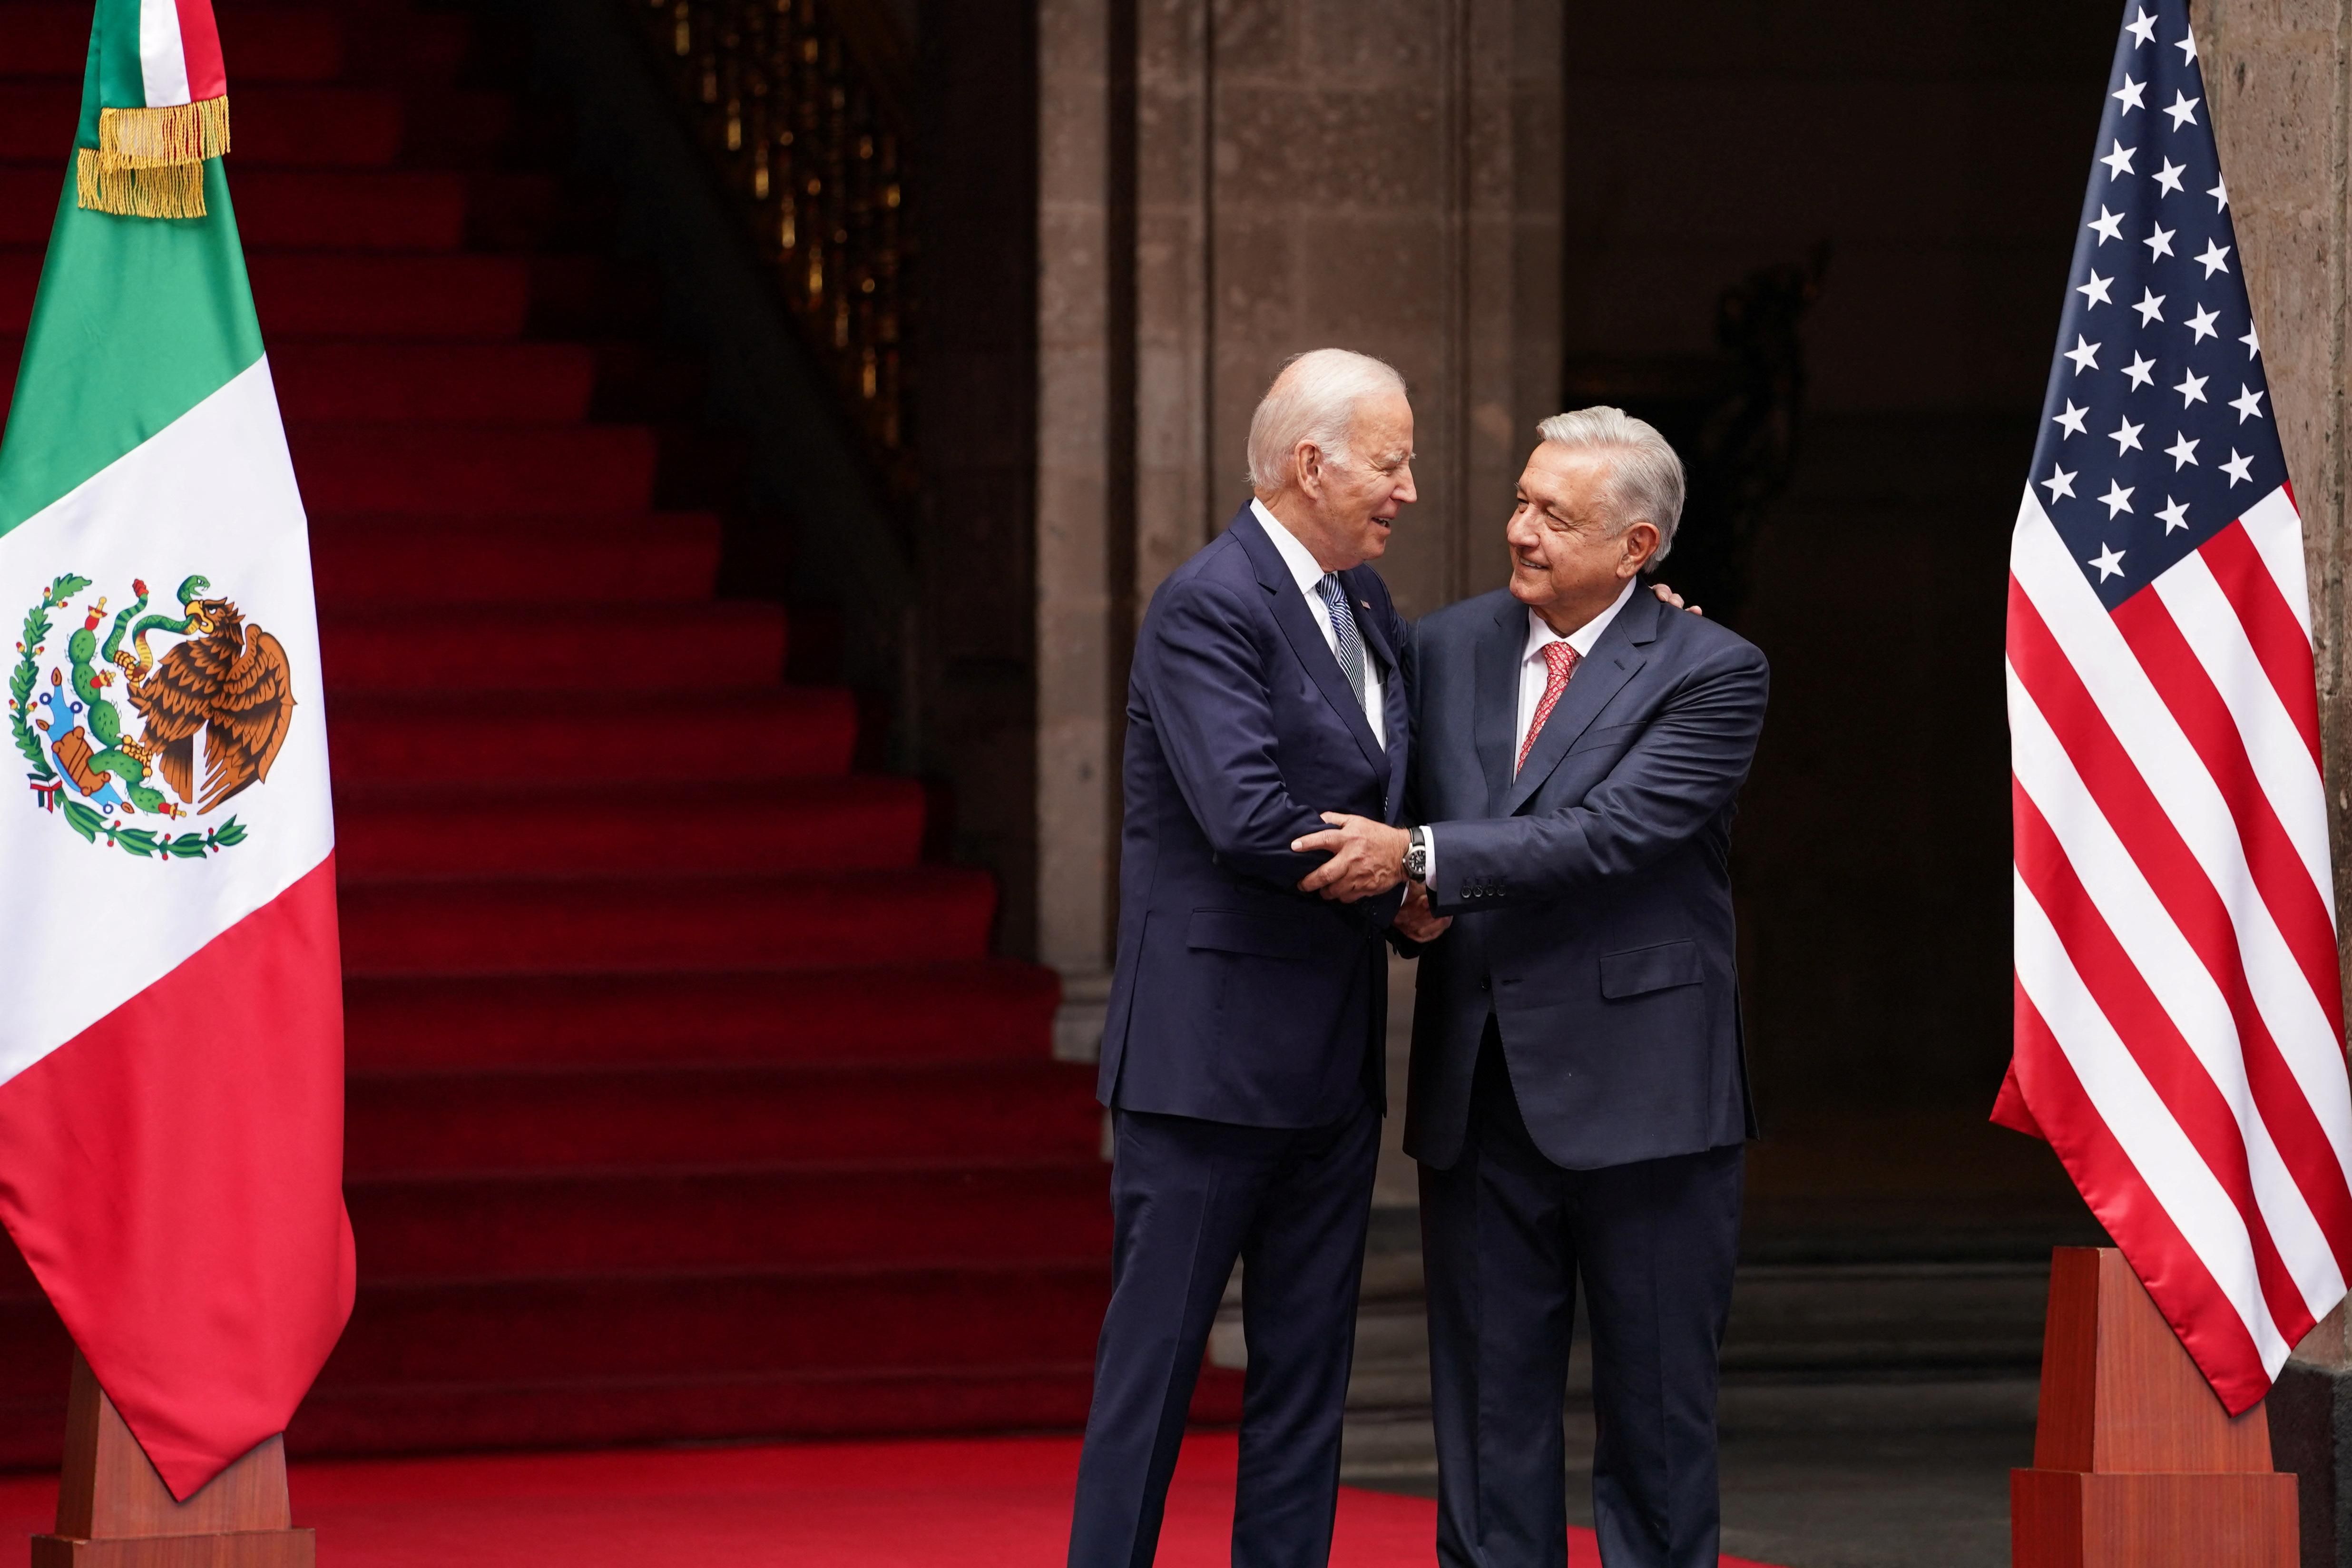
{"points": [[1568, 559], [1347, 508]]}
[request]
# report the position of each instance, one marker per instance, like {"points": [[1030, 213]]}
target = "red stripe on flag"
{"points": [[2281, 878], [2271, 625], [2190, 1096], [175, 1178], [200, 47], [2183, 1289], [2189, 900]]}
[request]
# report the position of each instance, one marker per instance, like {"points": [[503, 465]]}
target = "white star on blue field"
{"points": [[2157, 431]]}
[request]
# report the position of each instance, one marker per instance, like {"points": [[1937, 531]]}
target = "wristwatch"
{"points": [[1416, 855]]}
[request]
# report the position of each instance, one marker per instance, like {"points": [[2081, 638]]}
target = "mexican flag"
{"points": [[171, 1038]]}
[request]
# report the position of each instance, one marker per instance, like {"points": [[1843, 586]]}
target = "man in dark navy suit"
{"points": [[1579, 1095], [1242, 1053]]}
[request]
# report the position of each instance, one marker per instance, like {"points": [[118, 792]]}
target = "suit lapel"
{"points": [[1599, 677], [1396, 713], [1496, 713], [1297, 624]]}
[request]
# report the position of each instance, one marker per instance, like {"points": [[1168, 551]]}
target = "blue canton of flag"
{"points": [[2157, 431]]}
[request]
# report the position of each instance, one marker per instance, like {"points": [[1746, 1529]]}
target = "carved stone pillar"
{"points": [[2280, 73]]}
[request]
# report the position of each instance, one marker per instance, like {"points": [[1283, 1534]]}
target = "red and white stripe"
{"points": [[2180, 1015], [179, 52]]}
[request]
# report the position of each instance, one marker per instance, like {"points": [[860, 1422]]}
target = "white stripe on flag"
{"points": [[2182, 983], [163, 61], [2274, 742], [212, 493], [2276, 530], [2095, 647], [2159, 1151]]}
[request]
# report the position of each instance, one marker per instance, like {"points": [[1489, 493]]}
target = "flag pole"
{"points": [[114, 1510], [2136, 1464]]}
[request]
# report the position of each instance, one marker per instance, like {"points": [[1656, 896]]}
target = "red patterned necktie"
{"points": [[1559, 660]]}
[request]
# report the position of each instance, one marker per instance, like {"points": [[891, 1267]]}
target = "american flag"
{"points": [[2178, 1013]]}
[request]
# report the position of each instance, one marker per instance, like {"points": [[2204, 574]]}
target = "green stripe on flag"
{"points": [[114, 78], [137, 321]]}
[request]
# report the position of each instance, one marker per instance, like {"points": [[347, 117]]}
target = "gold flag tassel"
{"points": [[150, 163]]}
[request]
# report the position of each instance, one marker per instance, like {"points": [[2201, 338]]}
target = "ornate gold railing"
{"points": [[803, 104]]}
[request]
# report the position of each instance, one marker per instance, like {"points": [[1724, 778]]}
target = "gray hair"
{"points": [[1645, 481], [1313, 400]]}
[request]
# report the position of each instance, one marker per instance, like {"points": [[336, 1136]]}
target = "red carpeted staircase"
{"points": [[685, 1099]]}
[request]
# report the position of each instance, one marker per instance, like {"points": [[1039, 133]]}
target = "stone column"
{"points": [[1077, 373], [2277, 72]]}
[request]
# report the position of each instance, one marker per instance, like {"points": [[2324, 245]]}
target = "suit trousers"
{"points": [[1506, 1236], [1188, 1198]]}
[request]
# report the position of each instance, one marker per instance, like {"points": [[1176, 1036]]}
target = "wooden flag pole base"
{"points": [[2135, 1465], [114, 1510]]}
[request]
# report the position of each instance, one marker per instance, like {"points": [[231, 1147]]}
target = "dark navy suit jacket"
{"points": [[1591, 892], [1237, 998]]}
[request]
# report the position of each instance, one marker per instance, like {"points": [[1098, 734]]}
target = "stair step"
{"points": [[342, 127], [924, 1013], [374, 209], [348, 209], [807, 825], [617, 1222], [277, 44], [455, 127], [404, 1416], [279, 125], [448, 567], [323, 380], [472, 1122], [384, 737], [720, 1324], [359, 295], [532, 648], [358, 380], [651, 924], [433, 297], [450, 468]]}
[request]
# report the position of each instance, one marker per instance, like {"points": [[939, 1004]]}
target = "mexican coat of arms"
{"points": [[224, 683]]}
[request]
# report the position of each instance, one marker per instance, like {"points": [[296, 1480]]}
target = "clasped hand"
{"points": [[1367, 860], [1367, 857]]}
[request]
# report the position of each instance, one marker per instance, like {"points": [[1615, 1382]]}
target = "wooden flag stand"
{"points": [[2135, 1465], [114, 1510]]}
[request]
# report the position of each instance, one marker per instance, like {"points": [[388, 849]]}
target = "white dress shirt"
{"points": [[1535, 674], [1310, 577]]}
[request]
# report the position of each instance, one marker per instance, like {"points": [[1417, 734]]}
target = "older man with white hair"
{"points": [[1579, 1096], [1242, 1055]]}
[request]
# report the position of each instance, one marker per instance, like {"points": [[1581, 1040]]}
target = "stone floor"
{"points": [[1871, 1411]]}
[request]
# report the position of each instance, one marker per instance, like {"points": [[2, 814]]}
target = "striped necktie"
{"points": [[1351, 648]]}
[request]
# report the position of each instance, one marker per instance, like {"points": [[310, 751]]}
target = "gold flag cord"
{"points": [[150, 163], [175, 190], [176, 133]]}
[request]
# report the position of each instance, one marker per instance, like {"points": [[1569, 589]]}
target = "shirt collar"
{"points": [[1294, 554], [1582, 638]]}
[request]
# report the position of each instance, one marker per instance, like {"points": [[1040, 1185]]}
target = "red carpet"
{"points": [[686, 1100], [1002, 1504]]}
